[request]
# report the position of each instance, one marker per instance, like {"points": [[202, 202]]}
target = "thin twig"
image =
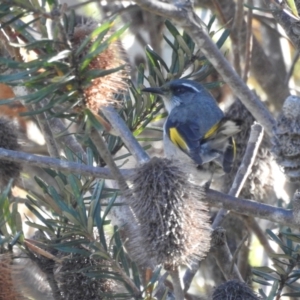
{"points": [[292, 67], [244, 170], [177, 289], [117, 268], [236, 252], [237, 26], [262, 66], [222, 254], [255, 228], [242, 262], [249, 37], [68, 140], [126, 135], [106, 156], [46, 130], [189, 21]]}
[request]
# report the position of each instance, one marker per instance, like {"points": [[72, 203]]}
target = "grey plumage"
{"points": [[197, 127]]}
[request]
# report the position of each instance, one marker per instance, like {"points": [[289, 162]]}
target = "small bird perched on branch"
{"points": [[196, 127]]}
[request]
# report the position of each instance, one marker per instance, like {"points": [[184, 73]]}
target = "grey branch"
{"points": [[244, 170], [252, 208], [186, 18], [106, 155], [213, 198], [126, 135], [59, 165]]}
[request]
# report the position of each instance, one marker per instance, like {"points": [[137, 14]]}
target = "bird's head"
{"points": [[175, 92]]}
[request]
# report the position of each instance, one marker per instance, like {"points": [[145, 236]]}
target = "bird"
{"points": [[196, 127]]}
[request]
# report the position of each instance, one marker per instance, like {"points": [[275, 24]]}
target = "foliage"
{"points": [[71, 213]]}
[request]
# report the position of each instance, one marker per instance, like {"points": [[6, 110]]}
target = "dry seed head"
{"points": [[286, 140], [74, 284], [296, 206], [8, 140], [234, 289], [8, 282], [102, 90], [173, 223]]}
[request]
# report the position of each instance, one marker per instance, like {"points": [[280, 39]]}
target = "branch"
{"points": [[251, 208], [249, 43], [106, 156], [178, 292], [288, 22], [186, 18], [126, 135], [59, 165], [265, 68], [244, 170], [236, 27]]}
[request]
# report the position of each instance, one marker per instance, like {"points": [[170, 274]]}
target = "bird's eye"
{"points": [[178, 90]]}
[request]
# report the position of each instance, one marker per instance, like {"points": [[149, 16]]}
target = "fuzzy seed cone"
{"points": [[73, 284], [8, 140], [102, 90], [172, 221], [286, 140], [296, 206], [259, 184], [8, 282], [234, 289]]}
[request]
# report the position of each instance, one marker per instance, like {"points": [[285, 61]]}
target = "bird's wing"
{"points": [[186, 136]]}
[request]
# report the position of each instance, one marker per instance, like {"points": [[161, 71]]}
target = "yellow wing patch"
{"points": [[234, 147], [211, 131], [177, 139]]}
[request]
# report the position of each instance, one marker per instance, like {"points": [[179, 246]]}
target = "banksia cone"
{"points": [[74, 284], [286, 140], [8, 140], [8, 282], [172, 222], [102, 90], [234, 289]]}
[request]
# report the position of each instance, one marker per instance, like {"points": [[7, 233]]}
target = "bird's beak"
{"points": [[153, 90]]}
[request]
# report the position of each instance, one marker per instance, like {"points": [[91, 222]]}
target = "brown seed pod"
{"points": [[102, 90], [8, 282], [234, 289], [172, 222], [286, 140], [74, 284]]}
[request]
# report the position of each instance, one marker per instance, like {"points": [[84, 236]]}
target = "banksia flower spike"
{"points": [[8, 140], [234, 289], [74, 284], [173, 224], [286, 140], [8, 281], [104, 89]]}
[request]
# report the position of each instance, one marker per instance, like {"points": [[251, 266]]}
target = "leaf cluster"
{"points": [[284, 271]]}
